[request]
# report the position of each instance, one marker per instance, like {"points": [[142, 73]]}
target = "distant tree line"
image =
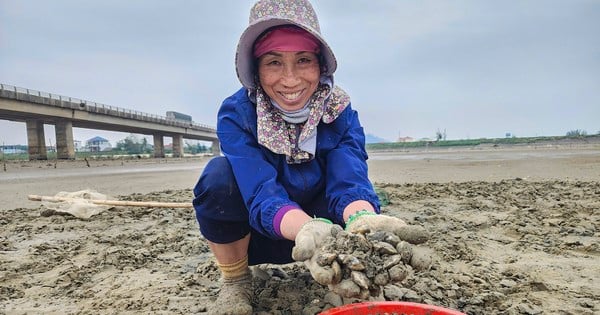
{"points": [[132, 144], [577, 133]]}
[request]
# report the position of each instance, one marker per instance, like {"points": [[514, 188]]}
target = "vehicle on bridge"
{"points": [[178, 116]]}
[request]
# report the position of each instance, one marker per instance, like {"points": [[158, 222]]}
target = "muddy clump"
{"points": [[366, 263]]}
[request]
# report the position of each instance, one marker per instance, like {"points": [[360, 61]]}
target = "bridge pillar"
{"points": [[65, 148], [216, 148], [178, 146], [159, 147], [36, 142]]}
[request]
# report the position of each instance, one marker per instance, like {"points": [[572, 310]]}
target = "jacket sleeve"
{"points": [[347, 170], [255, 176]]}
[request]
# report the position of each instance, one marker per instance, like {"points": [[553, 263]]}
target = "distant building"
{"points": [[406, 139], [97, 144]]}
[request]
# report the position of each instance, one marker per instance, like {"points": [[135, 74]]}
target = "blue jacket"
{"points": [[266, 181]]}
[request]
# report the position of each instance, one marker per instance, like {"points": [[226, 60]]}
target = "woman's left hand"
{"points": [[366, 222]]}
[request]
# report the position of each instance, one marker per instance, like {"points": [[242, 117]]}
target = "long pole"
{"points": [[150, 204]]}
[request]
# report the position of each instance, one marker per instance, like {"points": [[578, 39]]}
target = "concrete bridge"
{"points": [[37, 108]]}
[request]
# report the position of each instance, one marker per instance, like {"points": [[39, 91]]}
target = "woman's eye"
{"points": [[304, 60], [273, 63]]}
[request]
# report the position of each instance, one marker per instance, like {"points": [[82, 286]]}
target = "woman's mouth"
{"points": [[291, 96]]}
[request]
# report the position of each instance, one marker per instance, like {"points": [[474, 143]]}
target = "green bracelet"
{"points": [[316, 219], [322, 219], [358, 214]]}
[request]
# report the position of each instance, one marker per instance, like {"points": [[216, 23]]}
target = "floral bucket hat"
{"points": [[266, 14]]}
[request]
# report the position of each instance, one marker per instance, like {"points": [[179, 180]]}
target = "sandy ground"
{"points": [[515, 231]]}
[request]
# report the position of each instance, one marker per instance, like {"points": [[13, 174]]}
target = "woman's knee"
{"points": [[216, 179], [216, 195]]}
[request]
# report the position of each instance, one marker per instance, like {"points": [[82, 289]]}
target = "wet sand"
{"points": [[515, 231]]}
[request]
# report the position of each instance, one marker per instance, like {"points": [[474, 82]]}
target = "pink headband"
{"points": [[287, 38]]}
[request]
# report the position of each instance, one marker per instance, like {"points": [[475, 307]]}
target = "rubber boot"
{"points": [[235, 297]]}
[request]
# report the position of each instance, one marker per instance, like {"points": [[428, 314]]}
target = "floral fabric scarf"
{"points": [[298, 141]]}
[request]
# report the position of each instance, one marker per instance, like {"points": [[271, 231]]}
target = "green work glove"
{"points": [[307, 249], [365, 221]]}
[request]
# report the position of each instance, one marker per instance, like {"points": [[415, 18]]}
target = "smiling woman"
{"points": [[294, 170]]}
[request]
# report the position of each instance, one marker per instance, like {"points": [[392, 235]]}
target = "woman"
{"points": [[294, 157]]}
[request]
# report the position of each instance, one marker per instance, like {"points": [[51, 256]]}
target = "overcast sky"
{"points": [[473, 68]]}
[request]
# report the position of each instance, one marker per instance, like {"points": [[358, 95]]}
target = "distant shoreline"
{"points": [[528, 142], [588, 142]]}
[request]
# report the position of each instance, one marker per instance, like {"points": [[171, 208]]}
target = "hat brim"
{"points": [[244, 61]]}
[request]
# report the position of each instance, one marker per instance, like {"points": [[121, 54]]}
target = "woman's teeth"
{"points": [[291, 96]]}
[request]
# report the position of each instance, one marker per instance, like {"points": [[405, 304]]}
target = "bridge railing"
{"points": [[24, 94]]}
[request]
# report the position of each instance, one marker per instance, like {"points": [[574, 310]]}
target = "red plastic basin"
{"points": [[399, 308]]}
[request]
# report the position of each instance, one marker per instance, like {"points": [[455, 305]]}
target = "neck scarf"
{"points": [[297, 141], [293, 117]]}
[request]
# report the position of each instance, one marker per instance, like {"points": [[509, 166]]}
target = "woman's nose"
{"points": [[290, 76]]}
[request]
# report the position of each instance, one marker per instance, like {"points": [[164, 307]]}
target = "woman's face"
{"points": [[289, 78]]}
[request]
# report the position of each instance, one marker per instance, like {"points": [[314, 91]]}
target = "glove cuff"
{"points": [[322, 220], [316, 220], [357, 215]]}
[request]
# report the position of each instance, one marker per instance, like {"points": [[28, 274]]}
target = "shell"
{"points": [[384, 248], [392, 261], [351, 262], [392, 239], [383, 236], [399, 272], [337, 272], [405, 251], [360, 279], [382, 278], [377, 236], [356, 264], [325, 259]]}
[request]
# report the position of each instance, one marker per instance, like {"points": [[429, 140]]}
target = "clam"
{"points": [[325, 259], [399, 272], [392, 261], [360, 279], [384, 248]]}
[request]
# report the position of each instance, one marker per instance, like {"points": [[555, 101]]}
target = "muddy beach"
{"points": [[514, 231]]}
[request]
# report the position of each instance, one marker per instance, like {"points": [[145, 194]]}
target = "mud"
{"points": [[506, 247]]}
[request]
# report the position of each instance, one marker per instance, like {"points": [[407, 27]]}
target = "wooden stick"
{"points": [[151, 204]]}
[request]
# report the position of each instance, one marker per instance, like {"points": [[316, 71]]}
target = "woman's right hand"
{"points": [[309, 241]]}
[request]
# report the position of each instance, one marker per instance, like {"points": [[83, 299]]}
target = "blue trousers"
{"points": [[223, 217]]}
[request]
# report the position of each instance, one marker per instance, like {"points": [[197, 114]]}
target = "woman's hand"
{"points": [[364, 222], [307, 249]]}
